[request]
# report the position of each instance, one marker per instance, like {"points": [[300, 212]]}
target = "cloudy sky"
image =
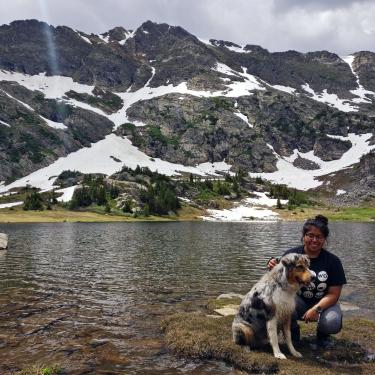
{"points": [[341, 26]]}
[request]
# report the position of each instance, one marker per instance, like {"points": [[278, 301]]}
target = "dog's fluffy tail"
{"points": [[243, 334]]}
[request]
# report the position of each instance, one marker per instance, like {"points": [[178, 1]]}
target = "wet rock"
{"points": [[227, 310], [98, 342], [3, 344], [3, 241], [230, 295], [346, 306]]}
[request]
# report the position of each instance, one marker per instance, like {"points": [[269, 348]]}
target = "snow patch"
{"points": [[361, 92], [127, 35], [10, 204], [105, 39], [244, 118], [243, 212], [333, 100], [53, 87], [67, 193], [292, 176], [4, 123], [289, 90], [238, 49], [264, 200], [340, 192], [87, 40]]}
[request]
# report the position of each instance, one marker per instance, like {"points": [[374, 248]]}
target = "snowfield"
{"points": [[302, 179], [99, 158]]}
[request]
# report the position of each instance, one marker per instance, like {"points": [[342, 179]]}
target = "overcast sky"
{"points": [[341, 26]]}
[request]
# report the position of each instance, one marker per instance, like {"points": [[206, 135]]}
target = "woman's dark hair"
{"points": [[320, 222]]}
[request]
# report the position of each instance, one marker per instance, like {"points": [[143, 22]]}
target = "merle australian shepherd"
{"points": [[269, 305]]}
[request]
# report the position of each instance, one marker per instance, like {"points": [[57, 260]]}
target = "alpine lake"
{"points": [[92, 296]]}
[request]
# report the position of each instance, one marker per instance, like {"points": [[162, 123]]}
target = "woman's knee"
{"points": [[330, 321]]}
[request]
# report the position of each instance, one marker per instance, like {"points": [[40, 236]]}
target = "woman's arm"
{"points": [[328, 300]]}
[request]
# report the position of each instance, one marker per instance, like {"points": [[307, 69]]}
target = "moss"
{"points": [[155, 133]]}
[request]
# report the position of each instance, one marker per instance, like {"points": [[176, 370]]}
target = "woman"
{"points": [[318, 300]]}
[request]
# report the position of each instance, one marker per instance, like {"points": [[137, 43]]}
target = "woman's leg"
{"points": [[301, 308]]}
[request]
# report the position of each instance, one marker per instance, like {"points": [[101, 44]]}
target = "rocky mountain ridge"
{"points": [[178, 98]]}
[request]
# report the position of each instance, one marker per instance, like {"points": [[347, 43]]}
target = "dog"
{"points": [[270, 304]]}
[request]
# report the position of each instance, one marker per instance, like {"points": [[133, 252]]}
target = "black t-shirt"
{"points": [[328, 270]]}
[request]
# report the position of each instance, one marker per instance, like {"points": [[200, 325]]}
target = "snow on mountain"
{"points": [[361, 92], [244, 118], [302, 179], [53, 87], [4, 123], [127, 35], [101, 158], [333, 100], [287, 89]]}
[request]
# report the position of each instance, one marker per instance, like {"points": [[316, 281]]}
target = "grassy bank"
{"points": [[18, 215], [186, 213], [363, 214]]}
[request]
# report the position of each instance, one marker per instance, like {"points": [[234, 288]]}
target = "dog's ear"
{"points": [[286, 261], [306, 260], [289, 260]]}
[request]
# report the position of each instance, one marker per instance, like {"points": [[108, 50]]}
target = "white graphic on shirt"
{"points": [[322, 276], [321, 287], [308, 294], [311, 286], [319, 295], [313, 274]]}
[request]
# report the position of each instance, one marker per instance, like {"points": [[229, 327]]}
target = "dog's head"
{"points": [[298, 271]]}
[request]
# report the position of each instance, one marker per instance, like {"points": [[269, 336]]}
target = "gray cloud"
{"points": [[341, 26]]}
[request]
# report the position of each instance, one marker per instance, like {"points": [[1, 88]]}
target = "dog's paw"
{"points": [[279, 355], [296, 354]]}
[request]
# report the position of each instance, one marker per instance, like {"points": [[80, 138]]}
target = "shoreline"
{"points": [[187, 213]]}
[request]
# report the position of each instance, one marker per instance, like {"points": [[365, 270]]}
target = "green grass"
{"points": [[354, 214], [361, 214], [41, 369]]}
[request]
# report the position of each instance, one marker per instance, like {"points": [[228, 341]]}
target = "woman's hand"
{"points": [[272, 263], [311, 315]]}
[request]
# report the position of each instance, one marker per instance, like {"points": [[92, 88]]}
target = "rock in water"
{"points": [[3, 241]]}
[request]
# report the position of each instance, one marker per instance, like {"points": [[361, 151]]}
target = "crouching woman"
{"points": [[319, 300]]}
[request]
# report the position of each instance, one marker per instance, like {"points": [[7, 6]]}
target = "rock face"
{"points": [[253, 106]]}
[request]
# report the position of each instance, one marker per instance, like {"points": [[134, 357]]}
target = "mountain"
{"points": [[160, 97]]}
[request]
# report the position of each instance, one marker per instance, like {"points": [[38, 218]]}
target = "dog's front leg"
{"points": [[272, 335], [288, 339]]}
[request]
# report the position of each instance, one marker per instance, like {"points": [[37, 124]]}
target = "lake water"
{"points": [[91, 296]]}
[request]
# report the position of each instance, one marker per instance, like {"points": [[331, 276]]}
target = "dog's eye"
{"points": [[300, 268]]}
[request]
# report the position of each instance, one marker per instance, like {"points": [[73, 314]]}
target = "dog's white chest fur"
{"points": [[284, 302]]}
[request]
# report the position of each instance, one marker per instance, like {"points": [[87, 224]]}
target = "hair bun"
{"points": [[322, 219]]}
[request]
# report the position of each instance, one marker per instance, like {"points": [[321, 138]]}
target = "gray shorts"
{"points": [[330, 321]]}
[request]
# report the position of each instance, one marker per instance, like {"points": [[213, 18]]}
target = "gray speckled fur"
{"points": [[271, 297]]}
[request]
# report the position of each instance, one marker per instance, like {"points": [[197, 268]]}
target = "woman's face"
{"points": [[313, 240]]}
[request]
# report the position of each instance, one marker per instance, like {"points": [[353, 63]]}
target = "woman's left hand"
{"points": [[311, 315]]}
